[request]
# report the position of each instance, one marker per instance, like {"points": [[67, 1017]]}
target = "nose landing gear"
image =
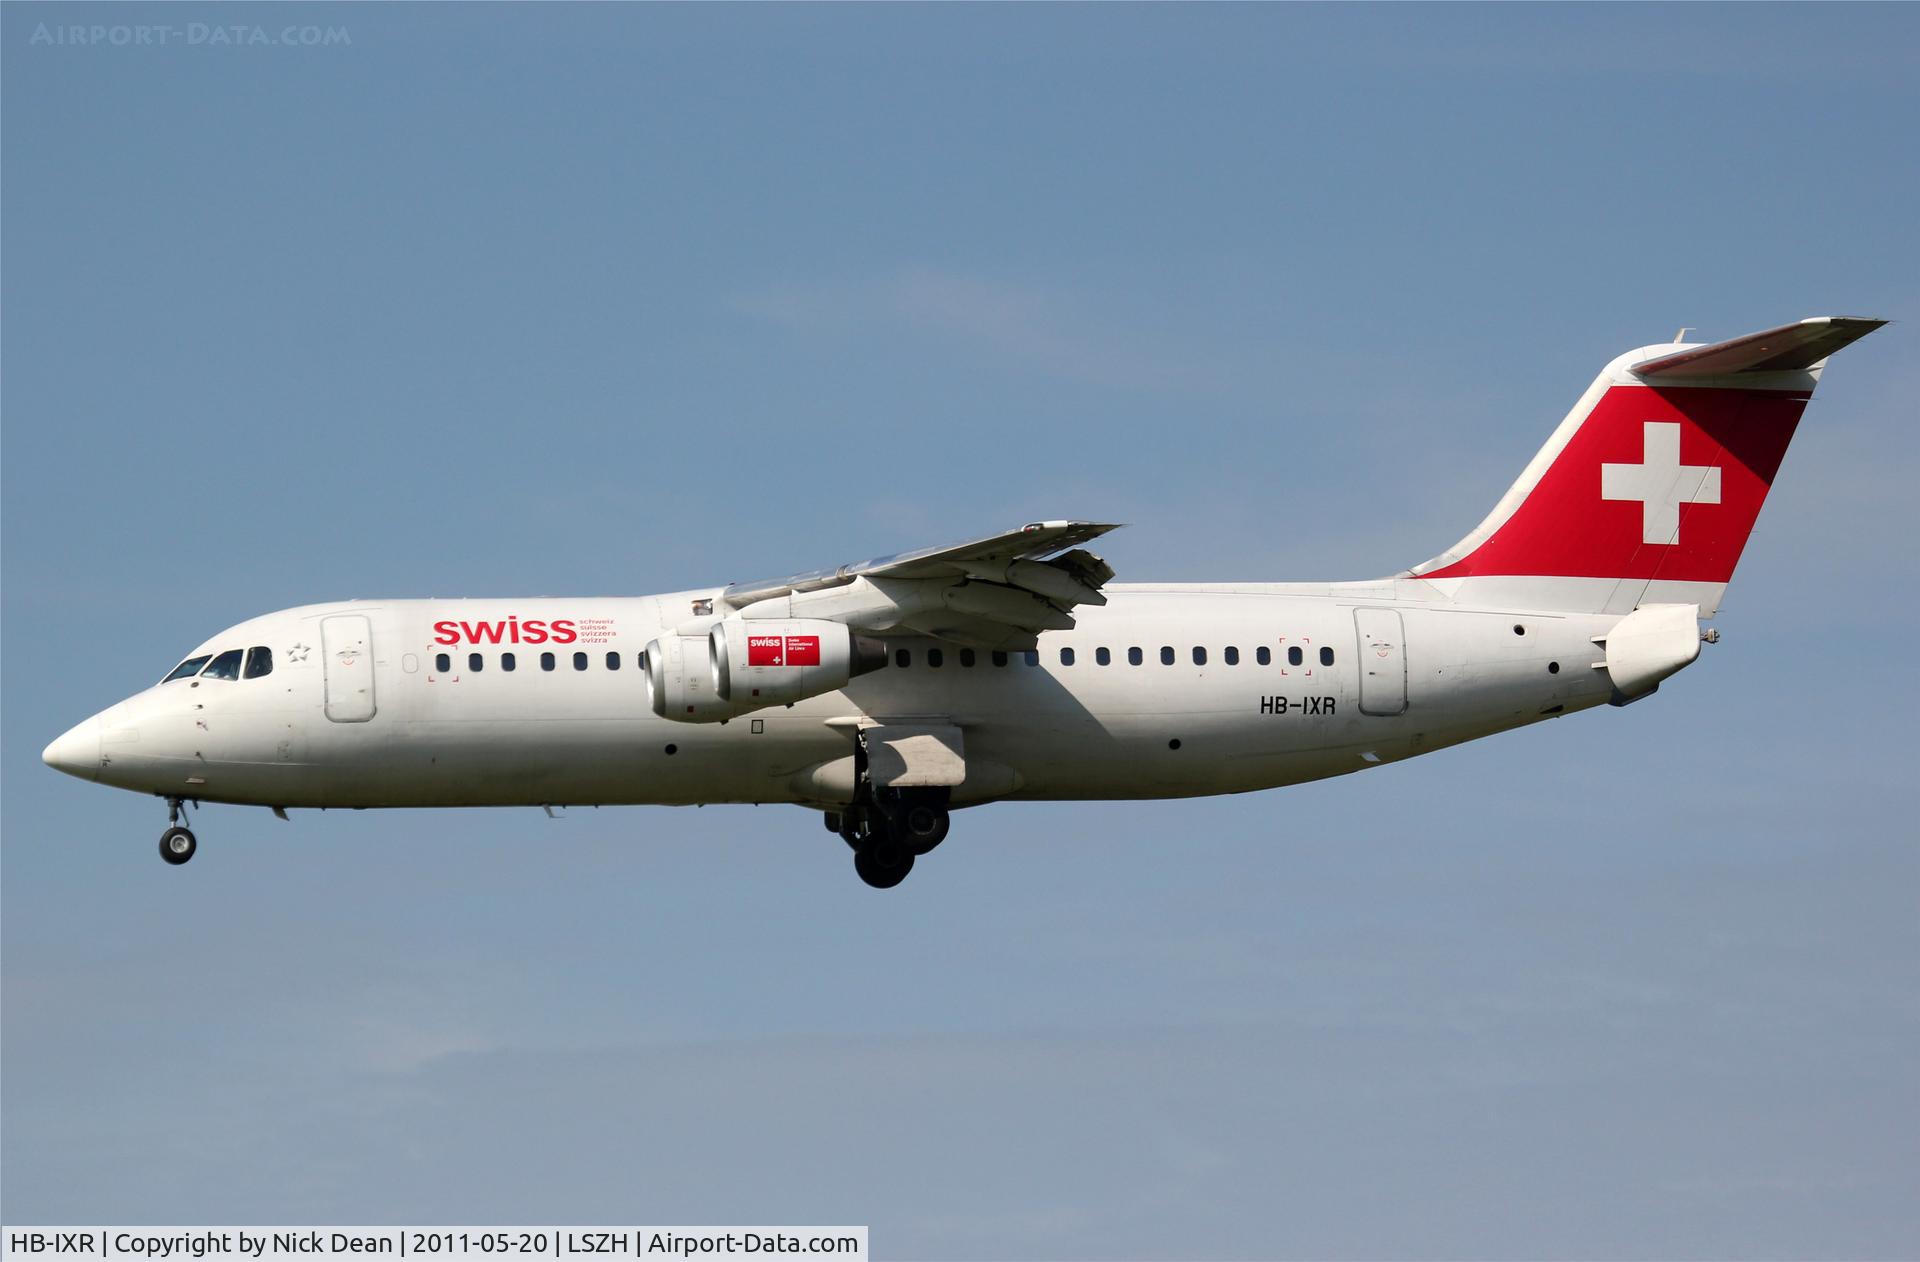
{"points": [[177, 844]]}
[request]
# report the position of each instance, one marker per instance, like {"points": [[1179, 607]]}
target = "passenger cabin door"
{"points": [[346, 645], [1383, 661]]}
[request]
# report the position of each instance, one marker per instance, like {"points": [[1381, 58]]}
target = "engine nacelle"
{"points": [[760, 662], [679, 670]]}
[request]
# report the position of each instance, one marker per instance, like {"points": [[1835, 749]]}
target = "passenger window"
{"points": [[999, 657], [936, 658], [613, 661], [1232, 655], [1102, 657], [1263, 655], [546, 661], [1166, 655], [508, 661], [1199, 656], [225, 666], [187, 669], [476, 663], [1134, 657], [1032, 656], [966, 657], [259, 662], [579, 661], [1066, 657], [1326, 657], [442, 663], [1295, 656], [903, 658]]}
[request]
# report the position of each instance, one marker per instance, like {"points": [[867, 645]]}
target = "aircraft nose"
{"points": [[76, 752]]}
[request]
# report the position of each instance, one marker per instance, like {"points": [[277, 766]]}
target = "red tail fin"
{"points": [[1649, 489]]}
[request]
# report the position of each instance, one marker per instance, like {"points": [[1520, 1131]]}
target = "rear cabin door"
{"points": [[1383, 661], [346, 641]]}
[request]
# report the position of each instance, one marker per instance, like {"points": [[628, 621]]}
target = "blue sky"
{"points": [[498, 300]]}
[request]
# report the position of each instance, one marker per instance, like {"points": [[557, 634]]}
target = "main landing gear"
{"points": [[888, 829], [177, 844]]}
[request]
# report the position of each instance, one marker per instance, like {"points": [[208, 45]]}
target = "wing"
{"points": [[996, 592]]}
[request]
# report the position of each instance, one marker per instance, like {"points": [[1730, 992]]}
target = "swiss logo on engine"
{"points": [[783, 650]]}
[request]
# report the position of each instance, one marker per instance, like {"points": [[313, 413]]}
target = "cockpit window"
{"points": [[188, 668], [259, 662], [225, 666]]}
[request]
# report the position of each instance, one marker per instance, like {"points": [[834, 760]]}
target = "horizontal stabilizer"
{"points": [[1785, 349]]}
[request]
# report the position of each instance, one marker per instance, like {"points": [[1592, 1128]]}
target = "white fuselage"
{"points": [[403, 718]]}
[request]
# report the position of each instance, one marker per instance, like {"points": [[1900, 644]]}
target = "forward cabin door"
{"points": [[1383, 661], [346, 645]]}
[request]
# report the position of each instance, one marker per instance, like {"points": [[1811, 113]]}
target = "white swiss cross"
{"points": [[1662, 484]]}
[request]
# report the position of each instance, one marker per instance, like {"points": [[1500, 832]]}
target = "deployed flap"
{"points": [[913, 756], [1787, 348]]}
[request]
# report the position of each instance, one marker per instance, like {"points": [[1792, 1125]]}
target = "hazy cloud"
{"points": [[1057, 331]]}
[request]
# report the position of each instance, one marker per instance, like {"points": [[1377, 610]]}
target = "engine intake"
{"points": [[679, 670]]}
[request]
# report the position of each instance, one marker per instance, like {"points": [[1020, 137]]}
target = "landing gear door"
{"points": [[1383, 661], [915, 756], [346, 640]]}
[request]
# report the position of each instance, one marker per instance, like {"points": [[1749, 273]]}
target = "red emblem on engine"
{"points": [[783, 650]]}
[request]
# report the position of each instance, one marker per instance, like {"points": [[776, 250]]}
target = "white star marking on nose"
{"points": [[298, 653], [1661, 484]]}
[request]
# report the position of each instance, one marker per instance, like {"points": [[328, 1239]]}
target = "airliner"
{"points": [[886, 694]]}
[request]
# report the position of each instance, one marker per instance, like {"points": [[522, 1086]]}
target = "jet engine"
{"points": [[763, 661], [679, 670], [743, 665]]}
